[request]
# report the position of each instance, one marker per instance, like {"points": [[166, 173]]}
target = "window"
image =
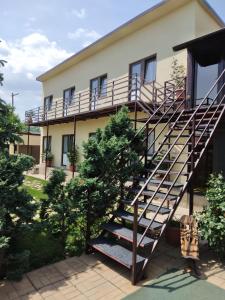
{"points": [[48, 103], [98, 89], [150, 70], [46, 146], [67, 143], [144, 69], [103, 86], [68, 96]]}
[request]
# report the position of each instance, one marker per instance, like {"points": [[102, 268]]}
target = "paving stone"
{"points": [[23, 286]]}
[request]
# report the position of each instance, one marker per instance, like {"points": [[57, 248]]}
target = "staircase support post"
{"points": [[134, 254], [191, 198], [74, 141], [46, 151], [191, 187]]}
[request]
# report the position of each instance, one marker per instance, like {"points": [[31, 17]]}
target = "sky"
{"points": [[37, 35]]}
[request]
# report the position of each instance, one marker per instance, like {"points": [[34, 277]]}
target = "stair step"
{"points": [[144, 222], [182, 136], [165, 171], [127, 234], [181, 144], [200, 128], [158, 195], [151, 207], [157, 181], [115, 251], [177, 162]]}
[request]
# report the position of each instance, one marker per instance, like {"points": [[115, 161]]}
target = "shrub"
{"points": [[43, 247], [17, 264], [212, 218]]}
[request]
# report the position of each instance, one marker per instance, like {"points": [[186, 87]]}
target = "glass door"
{"points": [[204, 79], [67, 143], [135, 73], [94, 93]]}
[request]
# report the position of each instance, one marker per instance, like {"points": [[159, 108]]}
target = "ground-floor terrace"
{"points": [[92, 277]]}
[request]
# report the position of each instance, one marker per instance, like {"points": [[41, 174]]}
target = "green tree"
{"points": [[56, 209], [16, 205], [110, 159], [212, 218], [10, 126]]}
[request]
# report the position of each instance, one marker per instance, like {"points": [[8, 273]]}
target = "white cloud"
{"points": [[85, 35], [80, 14], [32, 54], [30, 75], [26, 58]]}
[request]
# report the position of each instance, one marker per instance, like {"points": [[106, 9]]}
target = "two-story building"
{"points": [[90, 86]]}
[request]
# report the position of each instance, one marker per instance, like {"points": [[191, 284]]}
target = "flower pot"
{"points": [[72, 168], [48, 163], [180, 94], [172, 235]]}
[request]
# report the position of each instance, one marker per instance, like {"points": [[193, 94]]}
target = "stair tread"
{"points": [[165, 171], [126, 233], [144, 222], [156, 181], [151, 207], [157, 195], [115, 251]]}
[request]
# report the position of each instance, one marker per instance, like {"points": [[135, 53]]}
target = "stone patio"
{"points": [[95, 277]]}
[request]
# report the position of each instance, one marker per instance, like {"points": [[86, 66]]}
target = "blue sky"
{"points": [[37, 35]]}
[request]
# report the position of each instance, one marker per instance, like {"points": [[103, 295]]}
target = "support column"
{"points": [[46, 152], [28, 140], [74, 136]]}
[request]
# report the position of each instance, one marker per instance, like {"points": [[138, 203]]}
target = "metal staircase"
{"points": [[182, 133]]}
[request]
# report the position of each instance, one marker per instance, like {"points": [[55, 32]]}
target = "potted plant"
{"points": [[177, 75], [48, 158], [73, 157], [172, 233]]}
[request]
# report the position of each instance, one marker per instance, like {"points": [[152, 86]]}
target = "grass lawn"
{"points": [[34, 186]]}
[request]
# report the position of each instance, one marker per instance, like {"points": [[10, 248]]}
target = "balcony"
{"points": [[89, 103]]}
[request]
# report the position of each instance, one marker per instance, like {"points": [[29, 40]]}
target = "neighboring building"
{"points": [[30, 145], [132, 66]]}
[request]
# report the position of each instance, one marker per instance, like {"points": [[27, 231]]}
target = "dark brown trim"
{"points": [[95, 114], [30, 133], [199, 39]]}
